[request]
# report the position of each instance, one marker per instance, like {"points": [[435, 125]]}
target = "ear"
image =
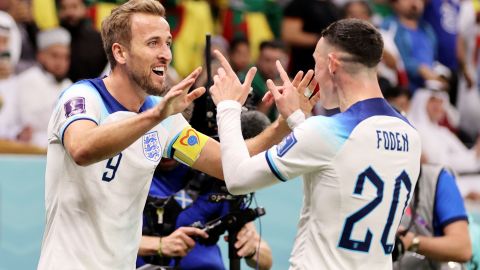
{"points": [[120, 53], [332, 63]]}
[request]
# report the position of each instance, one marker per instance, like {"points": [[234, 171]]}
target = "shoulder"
{"points": [[26, 76], [81, 88]]}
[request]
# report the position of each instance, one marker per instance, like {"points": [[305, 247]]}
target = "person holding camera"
{"points": [[434, 230], [179, 198], [187, 194]]}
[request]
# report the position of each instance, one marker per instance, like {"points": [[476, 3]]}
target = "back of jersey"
{"points": [[355, 199]]}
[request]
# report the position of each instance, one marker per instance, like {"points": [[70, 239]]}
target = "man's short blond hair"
{"points": [[116, 28]]}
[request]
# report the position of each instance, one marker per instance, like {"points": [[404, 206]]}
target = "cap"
{"points": [[53, 36]]}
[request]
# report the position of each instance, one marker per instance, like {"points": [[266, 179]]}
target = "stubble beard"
{"points": [[143, 80]]}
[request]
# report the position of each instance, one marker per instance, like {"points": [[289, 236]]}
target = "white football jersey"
{"points": [[360, 168], [94, 213]]}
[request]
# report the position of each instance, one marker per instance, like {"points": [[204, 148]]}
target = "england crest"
{"points": [[151, 146]]}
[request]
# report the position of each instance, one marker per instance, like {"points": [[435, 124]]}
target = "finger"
{"points": [[305, 81], [273, 89], [187, 240], [185, 84], [195, 232], [245, 251], [216, 79], [313, 82], [297, 79], [221, 72], [194, 74], [283, 73], [224, 63], [196, 93], [241, 242], [315, 98], [249, 78], [267, 97]]}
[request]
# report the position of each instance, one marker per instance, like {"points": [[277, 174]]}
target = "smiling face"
{"points": [[149, 54]]}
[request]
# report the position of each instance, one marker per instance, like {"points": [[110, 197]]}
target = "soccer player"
{"points": [[106, 136], [359, 166]]}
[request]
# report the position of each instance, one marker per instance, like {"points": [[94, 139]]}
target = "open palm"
{"points": [[178, 99]]}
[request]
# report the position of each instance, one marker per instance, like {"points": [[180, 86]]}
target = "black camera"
{"points": [[233, 221]]}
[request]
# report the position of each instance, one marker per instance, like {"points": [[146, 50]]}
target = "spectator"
{"points": [[443, 16], [88, 58], [416, 41], [468, 102], [40, 85], [302, 24], [270, 52], [240, 57], [439, 144], [436, 223], [391, 67], [21, 11], [9, 126], [14, 37]]}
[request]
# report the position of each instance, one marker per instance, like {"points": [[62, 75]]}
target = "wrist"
{"points": [[159, 250], [415, 244], [295, 119]]}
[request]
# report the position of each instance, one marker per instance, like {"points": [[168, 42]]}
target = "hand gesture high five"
{"points": [[227, 86], [293, 95], [178, 99]]}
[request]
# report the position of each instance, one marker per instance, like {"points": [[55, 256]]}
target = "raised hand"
{"points": [[293, 95], [178, 99], [227, 86]]}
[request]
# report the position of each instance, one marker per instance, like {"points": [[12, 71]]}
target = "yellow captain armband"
{"points": [[188, 145]]}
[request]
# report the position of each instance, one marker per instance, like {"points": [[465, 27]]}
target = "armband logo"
{"points": [[74, 106], [190, 139], [286, 144], [151, 146]]}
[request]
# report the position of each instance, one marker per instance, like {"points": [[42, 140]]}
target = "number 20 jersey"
{"points": [[94, 213], [359, 168]]}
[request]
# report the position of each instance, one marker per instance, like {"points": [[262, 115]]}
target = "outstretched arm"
{"points": [[243, 173], [88, 143], [209, 160]]}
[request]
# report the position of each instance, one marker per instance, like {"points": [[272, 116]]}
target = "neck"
{"points": [[352, 89], [124, 90]]}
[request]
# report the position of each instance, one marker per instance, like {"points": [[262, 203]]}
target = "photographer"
{"points": [[172, 242], [438, 232]]}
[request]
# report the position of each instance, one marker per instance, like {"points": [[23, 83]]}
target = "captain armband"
{"points": [[188, 145]]}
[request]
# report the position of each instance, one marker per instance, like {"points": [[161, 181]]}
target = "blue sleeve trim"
{"points": [[73, 119], [274, 168], [452, 220], [448, 205], [170, 151]]}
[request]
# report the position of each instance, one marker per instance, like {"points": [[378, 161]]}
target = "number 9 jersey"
{"points": [[94, 213]]}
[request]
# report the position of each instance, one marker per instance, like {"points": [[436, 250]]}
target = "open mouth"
{"points": [[160, 71]]}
